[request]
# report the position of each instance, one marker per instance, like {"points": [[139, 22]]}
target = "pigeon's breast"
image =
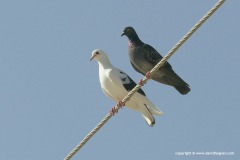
{"points": [[137, 58], [104, 80], [107, 84]]}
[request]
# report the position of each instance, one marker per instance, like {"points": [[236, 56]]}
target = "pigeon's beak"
{"points": [[123, 34], [92, 57]]}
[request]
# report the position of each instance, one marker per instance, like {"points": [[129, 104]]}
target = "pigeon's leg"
{"points": [[148, 74]]}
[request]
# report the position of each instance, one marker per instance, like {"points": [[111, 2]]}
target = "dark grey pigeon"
{"points": [[144, 57]]}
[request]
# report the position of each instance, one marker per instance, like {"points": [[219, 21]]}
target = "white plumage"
{"points": [[116, 84]]}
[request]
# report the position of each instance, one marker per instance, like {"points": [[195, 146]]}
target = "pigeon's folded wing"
{"points": [[128, 83], [152, 56]]}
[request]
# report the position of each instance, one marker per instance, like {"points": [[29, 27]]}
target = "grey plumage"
{"points": [[144, 57]]}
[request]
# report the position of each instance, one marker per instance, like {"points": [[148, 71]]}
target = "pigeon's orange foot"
{"points": [[141, 82], [119, 104], [113, 111], [148, 74]]}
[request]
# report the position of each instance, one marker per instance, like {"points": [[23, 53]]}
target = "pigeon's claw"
{"points": [[120, 104], [148, 74], [113, 111], [141, 82]]}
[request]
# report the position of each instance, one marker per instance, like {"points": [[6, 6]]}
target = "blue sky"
{"points": [[50, 97]]}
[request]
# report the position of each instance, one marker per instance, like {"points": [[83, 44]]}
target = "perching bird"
{"points": [[116, 84], [144, 57]]}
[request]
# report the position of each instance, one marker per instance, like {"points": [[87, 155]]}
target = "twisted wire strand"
{"points": [[145, 78]]}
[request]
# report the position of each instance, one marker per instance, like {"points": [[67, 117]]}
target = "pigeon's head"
{"points": [[98, 55], [129, 32]]}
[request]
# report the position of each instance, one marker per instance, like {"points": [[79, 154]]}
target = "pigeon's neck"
{"points": [[104, 63], [134, 41]]}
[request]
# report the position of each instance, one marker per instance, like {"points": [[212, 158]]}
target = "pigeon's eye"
{"points": [[97, 52]]}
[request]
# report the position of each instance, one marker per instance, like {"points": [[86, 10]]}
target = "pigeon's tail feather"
{"points": [[153, 109], [179, 84], [150, 121], [137, 104], [172, 79], [148, 116], [183, 89]]}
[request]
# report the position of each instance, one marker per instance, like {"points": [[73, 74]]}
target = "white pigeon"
{"points": [[116, 84]]}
